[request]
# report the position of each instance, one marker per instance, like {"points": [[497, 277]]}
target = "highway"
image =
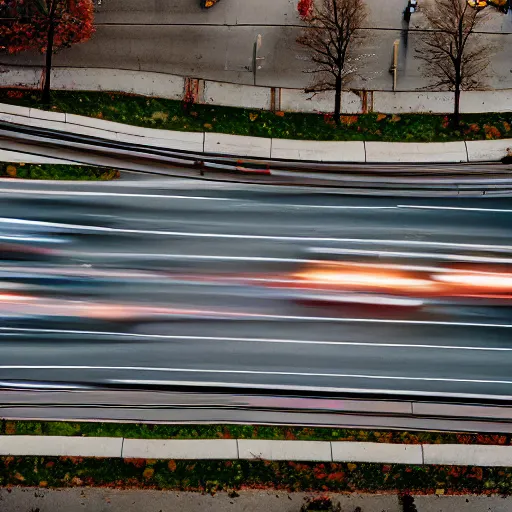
{"points": [[203, 260]]}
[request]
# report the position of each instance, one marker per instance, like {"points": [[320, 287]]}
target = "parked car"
{"points": [[477, 4]]}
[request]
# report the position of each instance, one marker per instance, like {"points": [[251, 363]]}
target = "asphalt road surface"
{"points": [[197, 257]]}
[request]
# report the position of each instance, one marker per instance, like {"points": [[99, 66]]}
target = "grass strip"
{"points": [[160, 431], [57, 172], [212, 476], [175, 115]]}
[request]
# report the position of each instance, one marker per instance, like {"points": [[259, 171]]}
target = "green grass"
{"points": [[212, 476], [56, 172], [160, 431], [171, 115]]}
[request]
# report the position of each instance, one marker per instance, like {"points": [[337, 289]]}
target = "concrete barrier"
{"points": [[377, 452], [474, 102], [146, 83], [180, 448], [284, 450], [415, 152], [36, 113], [14, 109], [388, 102], [487, 150], [15, 157], [61, 446], [169, 86], [245, 146], [237, 145], [296, 100], [21, 76], [232, 95], [467, 455], [320, 151]]}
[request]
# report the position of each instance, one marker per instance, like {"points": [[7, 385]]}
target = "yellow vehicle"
{"points": [[477, 4]]}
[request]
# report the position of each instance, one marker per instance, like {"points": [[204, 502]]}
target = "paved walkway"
{"points": [[100, 500]]}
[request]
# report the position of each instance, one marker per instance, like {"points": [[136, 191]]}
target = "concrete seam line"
{"points": [[122, 447], [365, 155], [332, 456], [422, 455], [237, 449], [467, 153]]}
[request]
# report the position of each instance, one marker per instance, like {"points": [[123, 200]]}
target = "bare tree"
{"points": [[450, 50], [332, 35]]}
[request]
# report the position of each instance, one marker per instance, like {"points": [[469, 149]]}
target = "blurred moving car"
{"points": [[389, 279], [477, 4]]}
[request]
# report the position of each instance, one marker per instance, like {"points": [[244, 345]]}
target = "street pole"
{"points": [[394, 63], [255, 58]]}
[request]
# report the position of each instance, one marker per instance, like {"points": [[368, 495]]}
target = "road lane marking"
{"points": [[209, 198], [212, 315], [104, 229], [429, 255], [20, 330], [198, 257], [40, 192], [109, 194], [252, 372], [454, 208]]}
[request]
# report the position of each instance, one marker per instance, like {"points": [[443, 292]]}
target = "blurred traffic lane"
{"points": [[208, 262], [289, 363]]}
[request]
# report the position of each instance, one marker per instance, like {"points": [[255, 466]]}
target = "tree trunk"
{"points": [[456, 107], [48, 66], [337, 99]]}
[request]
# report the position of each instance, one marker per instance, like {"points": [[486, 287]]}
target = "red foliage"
{"points": [[328, 119], [305, 8], [454, 472], [336, 477], [15, 94], [478, 473], [289, 435], [138, 463], [73, 22], [226, 434]]}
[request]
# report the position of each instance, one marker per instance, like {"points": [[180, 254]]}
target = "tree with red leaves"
{"points": [[47, 26]]}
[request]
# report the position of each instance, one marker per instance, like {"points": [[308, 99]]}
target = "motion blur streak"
{"points": [[110, 283]]}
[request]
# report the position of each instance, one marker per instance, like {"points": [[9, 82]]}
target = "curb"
{"points": [[256, 449], [285, 150]]}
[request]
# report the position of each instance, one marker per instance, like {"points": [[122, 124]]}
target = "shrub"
{"points": [[57, 172]]}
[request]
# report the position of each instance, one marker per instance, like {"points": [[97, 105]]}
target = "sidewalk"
{"points": [[115, 500], [259, 147], [257, 449]]}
